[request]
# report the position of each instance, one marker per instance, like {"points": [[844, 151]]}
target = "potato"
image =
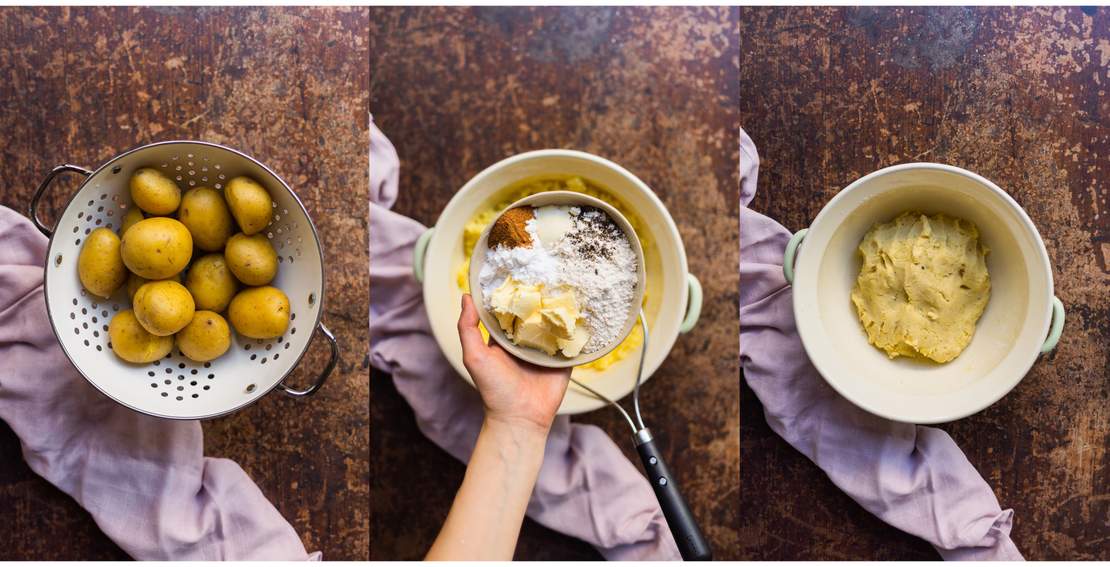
{"points": [[100, 265], [153, 192], [134, 282], [250, 204], [133, 216], [211, 283], [157, 248], [204, 212], [164, 307], [259, 312], [251, 258], [131, 342], [206, 337]]}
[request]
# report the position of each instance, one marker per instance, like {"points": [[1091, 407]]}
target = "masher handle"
{"points": [[691, 543], [33, 211]]}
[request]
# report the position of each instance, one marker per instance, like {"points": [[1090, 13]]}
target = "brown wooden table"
{"points": [[1019, 96], [654, 90], [288, 86]]}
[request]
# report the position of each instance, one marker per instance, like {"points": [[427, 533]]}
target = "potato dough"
{"points": [[250, 204], [206, 337], [251, 258], [923, 285], [211, 283], [131, 342], [153, 192], [157, 248], [163, 307], [204, 212], [100, 265], [259, 312]]}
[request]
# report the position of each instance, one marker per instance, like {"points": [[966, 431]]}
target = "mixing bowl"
{"points": [[538, 357], [1009, 336], [673, 301]]}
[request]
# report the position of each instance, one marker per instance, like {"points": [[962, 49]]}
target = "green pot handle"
{"points": [[791, 251], [1057, 327], [693, 304], [418, 254]]}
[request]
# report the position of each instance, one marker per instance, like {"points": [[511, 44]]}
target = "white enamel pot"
{"points": [[822, 264], [673, 295]]}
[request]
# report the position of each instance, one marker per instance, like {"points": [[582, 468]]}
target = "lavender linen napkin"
{"points": [[145, 480], [586, 488], [912, 477]]}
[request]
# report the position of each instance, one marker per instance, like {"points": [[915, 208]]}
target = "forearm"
{"points": [[485, 519]]}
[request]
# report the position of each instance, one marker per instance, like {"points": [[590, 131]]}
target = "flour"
{"points": [[590, 255]]}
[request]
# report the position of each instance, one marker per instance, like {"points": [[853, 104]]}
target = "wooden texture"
{"points": [[654, 90], [1019, 96], [287, 86]]}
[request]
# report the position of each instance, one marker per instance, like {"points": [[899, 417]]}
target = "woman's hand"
{"points": [[514, 392], [521, 400]]}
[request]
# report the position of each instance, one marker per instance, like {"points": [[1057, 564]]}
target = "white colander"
{"points": [[176, 387]]}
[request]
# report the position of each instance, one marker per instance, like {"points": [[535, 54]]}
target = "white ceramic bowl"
{"points": [[673, 295], [1008, 337], [538, 357]]}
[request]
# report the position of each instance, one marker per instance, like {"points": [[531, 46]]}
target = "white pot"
{"points": [[674, 296], [1008, 337]]}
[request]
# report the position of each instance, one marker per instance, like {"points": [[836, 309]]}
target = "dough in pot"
{"points": [[922, 286]]}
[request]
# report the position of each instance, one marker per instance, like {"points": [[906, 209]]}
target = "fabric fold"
{"points": [[914, 478], [144, 480], [586, 488]]}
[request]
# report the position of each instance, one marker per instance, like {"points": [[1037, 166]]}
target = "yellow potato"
{"points": [[163, 307], [204, 212], [206, 337], [250, 204], [131, 342], [133, 216], [157, 248], [259, 312], [134, 282], [211, 283], [251, 258], [99, 265], [153, 192]]}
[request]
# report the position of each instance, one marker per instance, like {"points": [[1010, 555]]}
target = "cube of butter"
{"points": [[533, 332], [572, 347]]}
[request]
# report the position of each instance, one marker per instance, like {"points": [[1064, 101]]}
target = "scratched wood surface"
{"points": [[1019, 96], [655, 90], [288, 86]]}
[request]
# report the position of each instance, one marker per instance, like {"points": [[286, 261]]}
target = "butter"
{"points": [[533, 317]]}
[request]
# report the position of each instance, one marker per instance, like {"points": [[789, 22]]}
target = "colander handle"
{"points": [[323, 375], [418, 254], [33, 211], [791, 251]]}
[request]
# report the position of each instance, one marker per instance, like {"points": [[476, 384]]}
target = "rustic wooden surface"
{"points": [[655, 90], [288, 86], [1019, 96]]}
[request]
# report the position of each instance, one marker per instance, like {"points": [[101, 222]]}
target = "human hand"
{"points": [[515, 393]]}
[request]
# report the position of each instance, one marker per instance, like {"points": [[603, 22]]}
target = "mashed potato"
{"points": [[473, 231]]}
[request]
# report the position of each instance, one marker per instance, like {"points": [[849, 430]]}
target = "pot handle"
{"points": [[1057, 327], [418, 254], [693, 304], [294, 393], [32, 211], [791, 251]]}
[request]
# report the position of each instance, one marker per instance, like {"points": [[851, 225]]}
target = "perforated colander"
{"points": [[176, 387]]}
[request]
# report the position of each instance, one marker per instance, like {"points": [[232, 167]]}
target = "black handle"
{"points": [[684, 528]]}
